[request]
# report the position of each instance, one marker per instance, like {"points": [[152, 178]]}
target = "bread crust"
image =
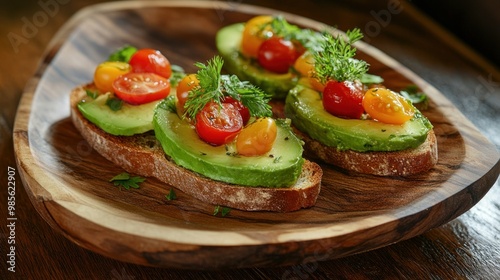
{"points": [[143, 155], [398, 163]]}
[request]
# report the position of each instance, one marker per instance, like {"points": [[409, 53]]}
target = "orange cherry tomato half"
{"points": [[107, 72], [254, 34], [387, 106], [183, 88], [257, 138], [218, 125], [150, 61], [304, 64], [140, 88]]}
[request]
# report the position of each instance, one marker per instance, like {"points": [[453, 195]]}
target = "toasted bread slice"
{"points": [[397, 163], [142, 155]]}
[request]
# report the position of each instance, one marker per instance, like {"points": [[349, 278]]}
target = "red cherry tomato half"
{"points": [[140, 88], [343, 99], [218, 125], [150, 61], [277, 55], [245, 113]]}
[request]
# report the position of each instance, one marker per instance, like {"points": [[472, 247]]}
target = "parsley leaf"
{"points": [[114, 103], [126, 181], [123, 54], [213, 86], [335, 60], [417, 98]]}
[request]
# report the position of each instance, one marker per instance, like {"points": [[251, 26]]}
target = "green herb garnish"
{"points": [[416, 97], [115, 104], [92, 93], [310, 39], [214, 87], [171, 195], [223, 210], [177, 75], [126, 181], [123, 54], [168, 104], [335, 60]]}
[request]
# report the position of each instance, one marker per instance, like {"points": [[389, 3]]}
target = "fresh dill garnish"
{"points": [[126, 181], [213, 86], [335, 60]]}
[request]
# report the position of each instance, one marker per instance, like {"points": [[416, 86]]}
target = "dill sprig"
{"points": [[213, 86], [335, 59]]}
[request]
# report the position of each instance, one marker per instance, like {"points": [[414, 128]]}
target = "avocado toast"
{"points": [[173, 152], [358, 127]]}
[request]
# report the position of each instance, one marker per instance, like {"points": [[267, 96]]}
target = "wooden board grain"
{"points": [[68, 181]]}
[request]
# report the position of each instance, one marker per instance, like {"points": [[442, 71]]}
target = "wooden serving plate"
{"points": [[68, 182]]}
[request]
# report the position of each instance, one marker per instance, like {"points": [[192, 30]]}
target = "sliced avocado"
{"points": [[305, 108], [228, 40], [278, 168], [129, 120]]}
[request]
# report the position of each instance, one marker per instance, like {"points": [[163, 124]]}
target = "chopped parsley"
{"points": [[126, 181], [214, 87]]}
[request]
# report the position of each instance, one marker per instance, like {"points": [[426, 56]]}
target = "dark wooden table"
{"points": [[468, 247]]}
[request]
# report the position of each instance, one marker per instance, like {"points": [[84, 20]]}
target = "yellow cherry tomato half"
{"points": [[305, 64], [387, 106], [183, 88], [257, 138], [254, 34], [107, 72]]}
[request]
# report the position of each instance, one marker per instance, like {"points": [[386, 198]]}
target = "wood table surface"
{"points": [[467, 247]]}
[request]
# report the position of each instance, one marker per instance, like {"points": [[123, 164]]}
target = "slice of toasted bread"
{"points": [[142, 155], [397, 163]]}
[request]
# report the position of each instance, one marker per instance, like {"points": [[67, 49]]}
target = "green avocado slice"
{"points": [[129, 120], [304, 107], [280, 167]]}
